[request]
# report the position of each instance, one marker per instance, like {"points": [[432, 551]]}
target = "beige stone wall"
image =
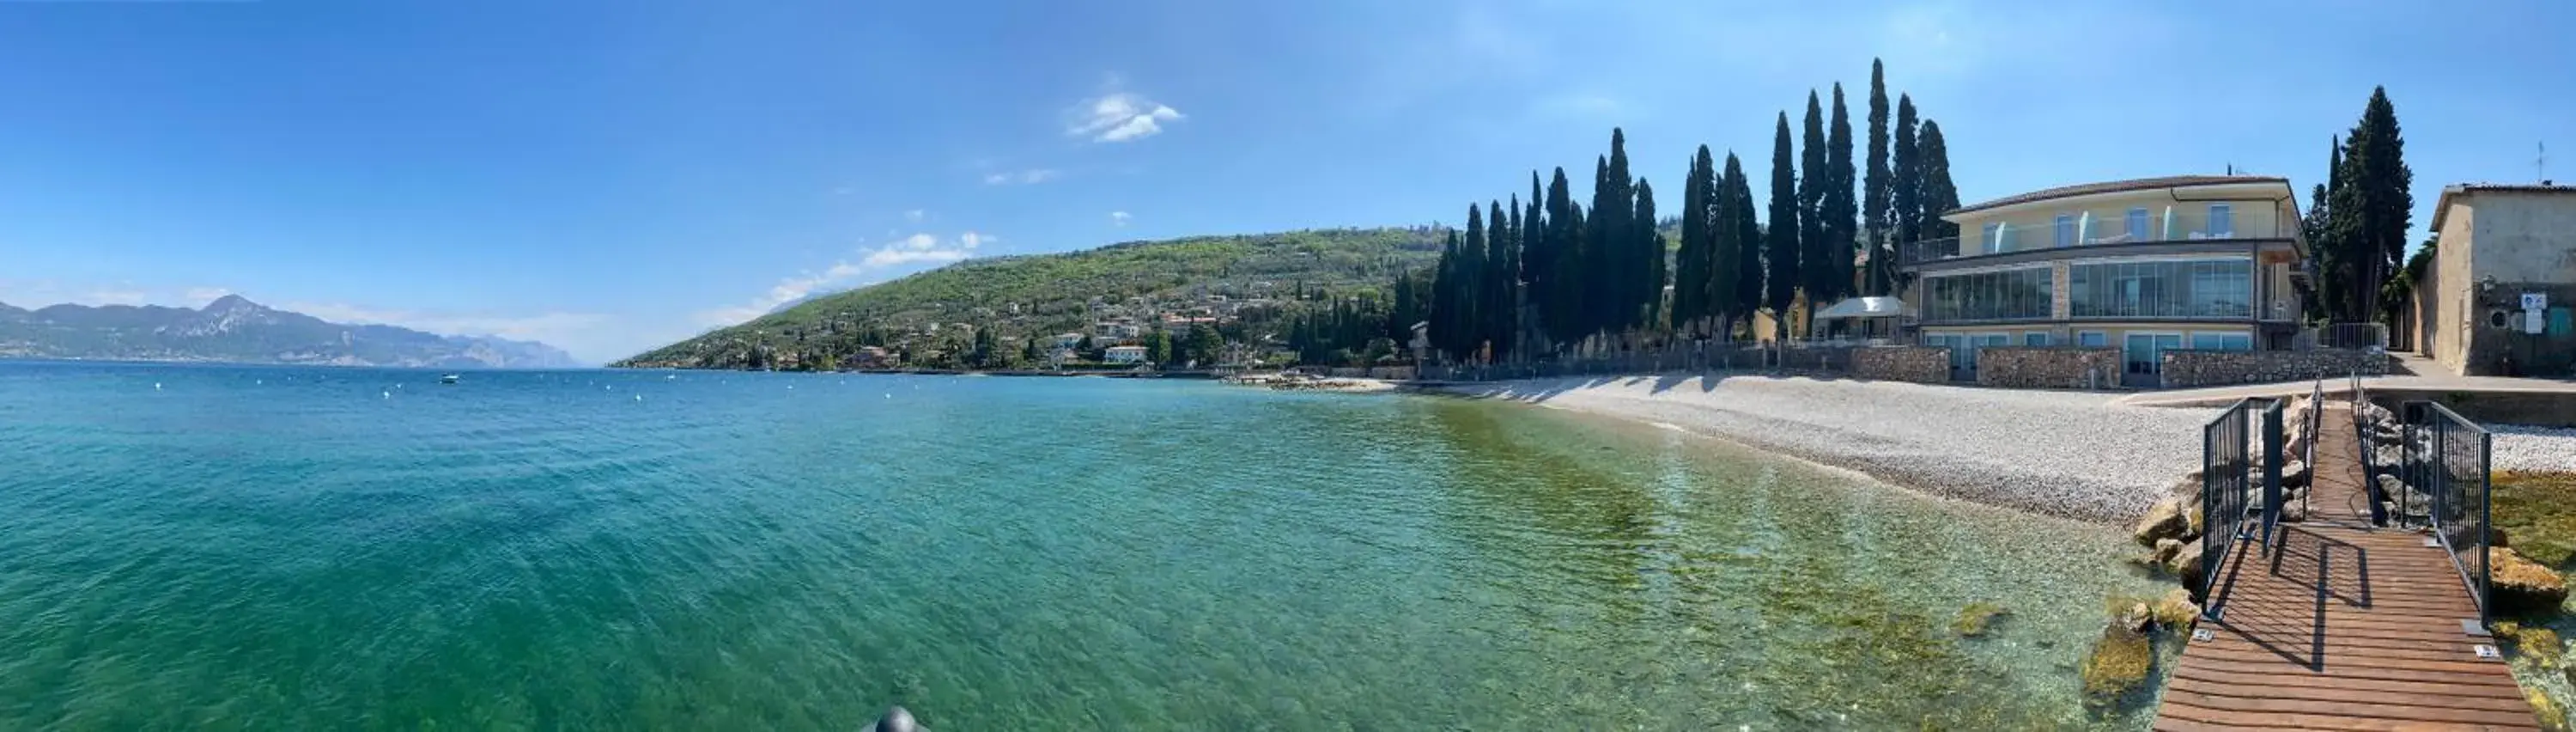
{"points": [[1918, 364], [2184, 369], [2029, 367], [2061, 290]]}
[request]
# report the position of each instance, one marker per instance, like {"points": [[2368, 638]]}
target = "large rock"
{"points": [[2175, 610], [2119, 662], [2165, 520], [2164, 552], [2187, 565], [2524, 586]]}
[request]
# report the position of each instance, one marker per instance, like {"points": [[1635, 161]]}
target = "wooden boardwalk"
{"points": [[2342, 626]]}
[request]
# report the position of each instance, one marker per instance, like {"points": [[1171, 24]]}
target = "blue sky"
{"points": [[609, 176]]}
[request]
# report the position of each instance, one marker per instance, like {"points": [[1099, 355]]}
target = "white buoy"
{"points": [[889, 395], [156, 386], [389, 395], [639, 397]]}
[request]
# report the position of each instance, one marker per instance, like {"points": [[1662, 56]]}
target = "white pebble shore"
{"points": [[2069, 454], [2532, 448]]}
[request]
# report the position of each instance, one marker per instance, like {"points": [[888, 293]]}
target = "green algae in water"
{"points": [[287, 548], [1976, 618]]}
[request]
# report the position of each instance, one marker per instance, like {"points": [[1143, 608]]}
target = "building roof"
{"points": [[1864, 307], [2443, 206], [2119, 186]]}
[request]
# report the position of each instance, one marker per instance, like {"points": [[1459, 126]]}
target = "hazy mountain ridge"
{"points": [[232, 329]]}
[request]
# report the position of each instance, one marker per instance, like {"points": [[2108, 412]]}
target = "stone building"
{"points": [[2497, 299]]}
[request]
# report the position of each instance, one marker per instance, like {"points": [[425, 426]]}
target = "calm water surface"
{"points": [[273, 548]]}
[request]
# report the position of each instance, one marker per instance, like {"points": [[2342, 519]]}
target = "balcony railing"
{"points": [[2078, 231]]}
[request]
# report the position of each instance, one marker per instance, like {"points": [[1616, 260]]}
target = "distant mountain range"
{"points": [[235, 330]]}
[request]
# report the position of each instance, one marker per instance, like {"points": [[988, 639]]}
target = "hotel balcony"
{"points": [[2090, 235]]}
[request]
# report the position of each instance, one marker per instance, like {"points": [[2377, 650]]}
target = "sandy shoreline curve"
{"points": [[2073, 455]]}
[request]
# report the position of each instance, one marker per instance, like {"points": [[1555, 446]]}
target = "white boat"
{"points": [[447, 379]]}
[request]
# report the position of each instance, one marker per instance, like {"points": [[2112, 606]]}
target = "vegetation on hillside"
{"points": [[990, 313]]}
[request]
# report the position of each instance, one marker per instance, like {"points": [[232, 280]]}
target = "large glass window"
{"points": [[2017, 294], [2138, 225], [2222, 223], [2065, 226], [2197, 288]]}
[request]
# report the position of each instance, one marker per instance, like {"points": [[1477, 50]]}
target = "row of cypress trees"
{"points": [[1551, 276]]}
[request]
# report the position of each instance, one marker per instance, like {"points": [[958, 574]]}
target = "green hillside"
{"points": [[1250, 282]]}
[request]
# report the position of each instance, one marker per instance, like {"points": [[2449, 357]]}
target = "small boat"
{"points": [[447, 379]]}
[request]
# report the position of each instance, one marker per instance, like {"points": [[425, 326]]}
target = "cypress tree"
{"points": [[2317, 228], [1780, 247], [1840, 211], [1538, 257], [1744, 239], [1471, 284], [1619, 240], [1815, 264], [1601, 264], [1493, 311], [1875, 188], [1650, 247], [1939, 195], [1690, 265], [1554, 301], [1532, 226], [2370, 211], [1905, 189]]}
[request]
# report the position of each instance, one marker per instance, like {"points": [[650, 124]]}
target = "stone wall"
{"points": [[1918, 364], [2048, 367], [2184, 369]]}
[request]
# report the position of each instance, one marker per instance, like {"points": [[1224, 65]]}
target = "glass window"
{"points": [[1993, 239], [2138, 224], [2199, 288], [2065, 230], [2016, 294], [2207, 341], [2034, 339], [2093, 339], [2220, 224]]}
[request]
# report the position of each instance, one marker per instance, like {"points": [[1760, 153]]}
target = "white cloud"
{"points": [[919, 248], [1031, 176], [1118, 117], [1119, 218], [914, 216]]}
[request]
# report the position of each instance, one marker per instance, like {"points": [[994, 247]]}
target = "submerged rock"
{"points": [[2119, 663], [2164, 553], [897, 719], [2521, 585], [1977, 618]]}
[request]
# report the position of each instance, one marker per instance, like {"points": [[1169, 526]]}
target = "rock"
{"points": [[2552, 717], [2187, 566], [2164, 552], [2293, 510], [2294, 475], [2165, 520], [2119, 663], [1978, 617], [2175, 610], [898, 719], [2496, 537], [2524, 586], [2140, 617]]}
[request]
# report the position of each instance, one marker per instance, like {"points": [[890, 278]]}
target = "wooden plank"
{"points": [[2341, 625]]}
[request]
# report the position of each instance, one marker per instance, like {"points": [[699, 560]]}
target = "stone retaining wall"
{"points": [[2184, 369], [1918, 364], [2048, 367]]}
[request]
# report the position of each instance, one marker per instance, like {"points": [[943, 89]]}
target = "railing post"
{"points": [[2271, 472]]}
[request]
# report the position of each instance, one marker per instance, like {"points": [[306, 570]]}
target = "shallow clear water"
{"points": [[294, 548]]}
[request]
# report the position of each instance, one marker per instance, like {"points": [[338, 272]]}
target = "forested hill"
{"points": [[1247, 281]]}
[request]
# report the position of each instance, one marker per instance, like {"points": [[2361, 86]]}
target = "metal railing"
{"points": [[2308, 431], [2082, 230], [1679, 356], [2365, 432], [2445, 466], [2229, 474]]}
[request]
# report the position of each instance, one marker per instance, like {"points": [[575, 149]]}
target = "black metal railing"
{"points": [[2445, 462], [2230, 473], [2308, 431], [2365, 430]]}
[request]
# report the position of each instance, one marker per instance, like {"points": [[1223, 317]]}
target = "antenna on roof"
{"points": [[2540, 165]]}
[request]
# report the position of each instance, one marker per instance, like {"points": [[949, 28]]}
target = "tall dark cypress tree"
{"points": [[1905, 189], [1471, 284], [1555, 302], [1493, 311], [1875, 187], [2370, 211], [1939, 195], [1538, 259], [1601, 264], [1444, 298], [1815, 263], [1533, 226], [1743, 236], [1649, 244], [1692, 264], [1840, 210], [1618, 240], [1780, 247], [2317, 228]]}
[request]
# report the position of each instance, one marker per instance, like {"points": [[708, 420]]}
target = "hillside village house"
{"points": [[2147, 265], [1123, 354], [2499, 298]]}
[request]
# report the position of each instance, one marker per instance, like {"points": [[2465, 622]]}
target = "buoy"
{"points": [[156, 386]]}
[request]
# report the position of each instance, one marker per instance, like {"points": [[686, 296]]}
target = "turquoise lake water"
{"points": [[281, 548]]}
